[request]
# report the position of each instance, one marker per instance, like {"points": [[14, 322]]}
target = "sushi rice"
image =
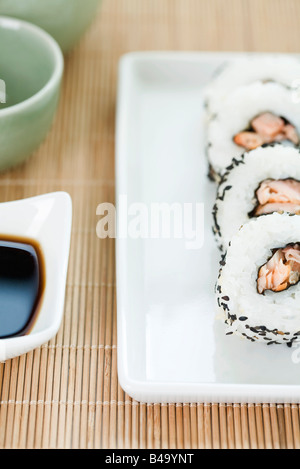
{"points": [[251, 106], [279, 68], [236, 199], [236, 114], [271, 317]]}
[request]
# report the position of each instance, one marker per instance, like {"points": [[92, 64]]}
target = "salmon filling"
{"points": [[266, 128], [280, 195], [281, 271]]}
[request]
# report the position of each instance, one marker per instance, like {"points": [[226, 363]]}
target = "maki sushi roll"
{"points": [[245, 70], [260, 182], [258, 290], [253, 115]]}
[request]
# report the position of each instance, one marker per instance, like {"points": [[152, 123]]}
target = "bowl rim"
{"points": [[13, 23]]}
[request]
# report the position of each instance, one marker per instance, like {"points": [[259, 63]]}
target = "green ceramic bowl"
{"points": [[31, 69], [65, 20]]}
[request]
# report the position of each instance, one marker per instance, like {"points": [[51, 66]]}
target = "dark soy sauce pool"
{"points": [[22, 279]]}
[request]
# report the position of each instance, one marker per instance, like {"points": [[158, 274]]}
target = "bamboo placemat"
{"points": [[66, 394]]}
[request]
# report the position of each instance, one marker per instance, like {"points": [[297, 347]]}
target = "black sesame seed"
{"points": [[243, 318], [221, 197]]}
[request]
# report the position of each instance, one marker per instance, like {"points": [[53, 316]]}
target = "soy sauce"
{"points": [[22, 278]]}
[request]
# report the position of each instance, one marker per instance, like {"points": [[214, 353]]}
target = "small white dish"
{"points": [[171, 348], [47, 220]]}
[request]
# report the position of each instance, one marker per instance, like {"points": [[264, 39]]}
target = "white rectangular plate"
{"points": [[171, 347]]}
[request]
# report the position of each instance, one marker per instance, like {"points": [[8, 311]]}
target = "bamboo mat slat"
{"points": [[66, 393]]}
